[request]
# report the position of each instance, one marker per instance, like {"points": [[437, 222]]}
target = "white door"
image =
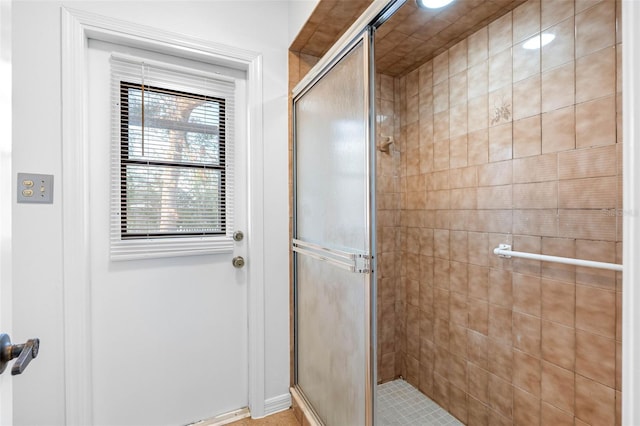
{"points": [[169, 336], [6, 396]]}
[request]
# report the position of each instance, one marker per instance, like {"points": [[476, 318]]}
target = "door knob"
{"points": [[25, 352], [238, 261]]}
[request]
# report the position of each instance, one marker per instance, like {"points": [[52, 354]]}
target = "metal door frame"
{"points": [[363, 30], [365, 37]]}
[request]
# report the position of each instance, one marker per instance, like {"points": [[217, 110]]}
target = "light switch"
{"points": [[35, 188]]}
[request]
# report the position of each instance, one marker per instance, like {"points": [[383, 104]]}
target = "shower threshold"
{"points": [[400, 404]]}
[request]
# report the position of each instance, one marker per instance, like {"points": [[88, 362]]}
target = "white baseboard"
{"points": [[271, 406], [277, 403]]}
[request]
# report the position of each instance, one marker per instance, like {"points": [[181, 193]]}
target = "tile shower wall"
{"points": [[390, 303], [497, 143]]}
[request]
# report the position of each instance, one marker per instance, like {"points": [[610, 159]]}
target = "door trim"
{"points": [[6, 282], [77, 28]]}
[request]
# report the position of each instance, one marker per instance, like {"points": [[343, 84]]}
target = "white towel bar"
{"points": [[504, 250]]}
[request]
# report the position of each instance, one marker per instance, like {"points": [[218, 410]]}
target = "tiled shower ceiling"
{"points": [[411, 37], [329, 20], [414, 35]]}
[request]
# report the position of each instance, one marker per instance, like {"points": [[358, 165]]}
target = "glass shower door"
{"points": [[332, 241]]}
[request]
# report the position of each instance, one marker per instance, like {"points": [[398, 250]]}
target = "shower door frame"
{"points": [[365, 36], [363, 30]]}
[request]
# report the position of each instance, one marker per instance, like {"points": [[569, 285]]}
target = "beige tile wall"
{"points": [[499, 144], [390, 329]]}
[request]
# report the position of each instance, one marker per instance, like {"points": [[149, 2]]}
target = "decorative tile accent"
{"points": [[501, 112]]}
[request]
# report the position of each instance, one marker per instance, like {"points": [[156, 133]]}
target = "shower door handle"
{"points": [[351, 261]]}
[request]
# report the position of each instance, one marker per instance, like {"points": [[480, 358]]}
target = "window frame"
{"points": [[125, 160]]}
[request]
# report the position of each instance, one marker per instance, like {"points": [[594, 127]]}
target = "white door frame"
{"points": [[6, 202], [77, 28]]}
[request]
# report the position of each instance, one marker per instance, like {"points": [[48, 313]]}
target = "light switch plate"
{"points": [[35, 188]]}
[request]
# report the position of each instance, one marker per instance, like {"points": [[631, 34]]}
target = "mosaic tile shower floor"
{"points": [[400, 404]]}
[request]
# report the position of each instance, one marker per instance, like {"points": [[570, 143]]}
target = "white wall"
{"points": [[37, 260], [260, 26], [299, 12]]}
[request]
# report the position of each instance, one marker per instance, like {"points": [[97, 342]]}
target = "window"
{"points": [[172, 155], [172, 163]]}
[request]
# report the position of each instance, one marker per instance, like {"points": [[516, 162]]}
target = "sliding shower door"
{"points": [[332, 240]]}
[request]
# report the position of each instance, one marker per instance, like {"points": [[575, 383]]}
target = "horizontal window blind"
{"points": [[172, 157]]}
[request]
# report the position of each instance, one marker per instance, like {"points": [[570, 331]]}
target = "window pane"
{"points": [[178, 128], [205, 147], [201, 148], [172, 200]]}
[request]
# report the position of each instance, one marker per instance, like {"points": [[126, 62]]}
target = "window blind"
{"points": [[172, 158]]}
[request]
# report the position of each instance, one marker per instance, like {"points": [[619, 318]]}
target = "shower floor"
{"points": [[400, 404]]}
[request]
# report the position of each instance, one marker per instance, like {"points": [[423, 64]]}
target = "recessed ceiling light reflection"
{"points": [[538, 41], [433, 4]]}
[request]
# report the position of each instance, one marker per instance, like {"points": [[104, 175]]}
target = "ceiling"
{"points": [[414, 35], [409, 38], [329, 20]]}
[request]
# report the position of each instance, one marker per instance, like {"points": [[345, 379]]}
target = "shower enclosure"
{"points": [[424, 140], [332, 240]]}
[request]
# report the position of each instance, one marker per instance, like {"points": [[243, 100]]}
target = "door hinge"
{"points": [[362, 263]]}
